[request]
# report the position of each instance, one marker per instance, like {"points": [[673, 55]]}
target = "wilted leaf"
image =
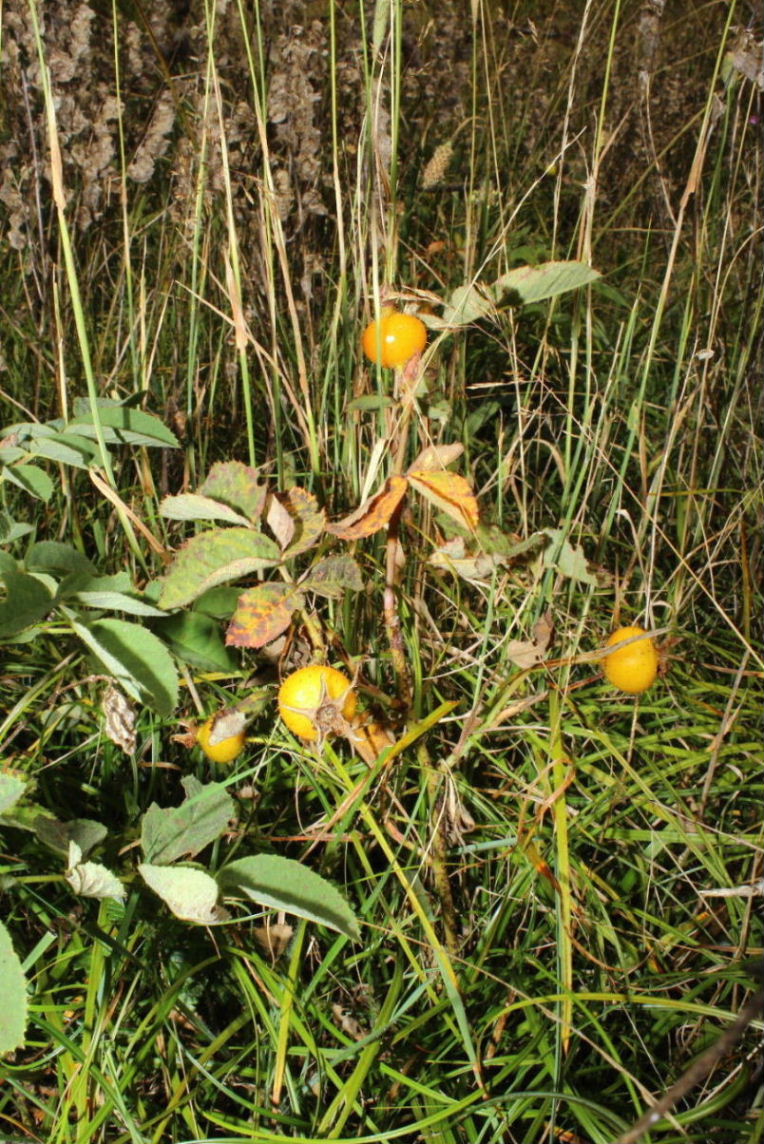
{"points": [[280, 521], [119, 722], [450, 493], [475, 566], [309, 519], [569, 561], [13, 990], [182, 831], [284, 884], [236, 485], [91, 879], [262, 614], [373, 514], [527, 653], [194, 506], [212, 558], [536, 283], [191, 894], [436, 457], [333, 576]]}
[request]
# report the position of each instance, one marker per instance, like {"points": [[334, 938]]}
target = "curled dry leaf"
{"points": [[373, 514], [527, 653], [437, 457], [119, 719]]}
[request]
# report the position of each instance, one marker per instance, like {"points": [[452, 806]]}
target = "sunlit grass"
{"points": [[599, 851]]}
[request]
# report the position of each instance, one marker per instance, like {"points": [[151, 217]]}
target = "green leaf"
{"points": [[85, 832], [91, 879], [13, 990], [333, 576], [12, 786], [71, 450], [136, 658], [212, 558], [284, 884], [191, 894], [468, 304], [33, 480], [118, 602], [182, 831], [236, 485], [370, 403], [535, 283], [53, 556], [567, 559], [123, 425], [27, 602], [197, 640], [11, 530], [262, 614], [193, 506]]}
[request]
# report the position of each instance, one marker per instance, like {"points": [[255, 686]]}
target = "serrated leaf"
{"points": [[213, 558], [333, 576], [194, 506], [536, 283], [136, 658], [33, 480], [197, 639], [59, 836], [53, 556], [27, 601], [75, 451], [373, 514], [191, 894], [262, 614], [450, 493], [284, 884], [118, 602], [182, 831], [309, 520], [120, 424], [13, 990], [91, 879], [468, 304], [569, 560], [236, 485], [12, 786]]}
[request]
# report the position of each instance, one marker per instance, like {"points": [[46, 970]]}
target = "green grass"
{"points": [[546, 946]]}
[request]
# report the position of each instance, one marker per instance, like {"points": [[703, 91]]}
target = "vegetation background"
{"points": [[201, 218]]}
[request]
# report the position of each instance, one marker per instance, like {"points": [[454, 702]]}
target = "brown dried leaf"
{"points": [[527, 653], [437, 457], [450, 493], [373, 514], [120, 719], [262, 614], [280, 521]]}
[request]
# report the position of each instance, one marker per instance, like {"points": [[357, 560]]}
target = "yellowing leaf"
{"points": [[373, 514], [309, 519], [262, 614], [450, 493]]}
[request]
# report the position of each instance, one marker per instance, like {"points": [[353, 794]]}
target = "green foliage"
{"points": [[13, 987]]}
